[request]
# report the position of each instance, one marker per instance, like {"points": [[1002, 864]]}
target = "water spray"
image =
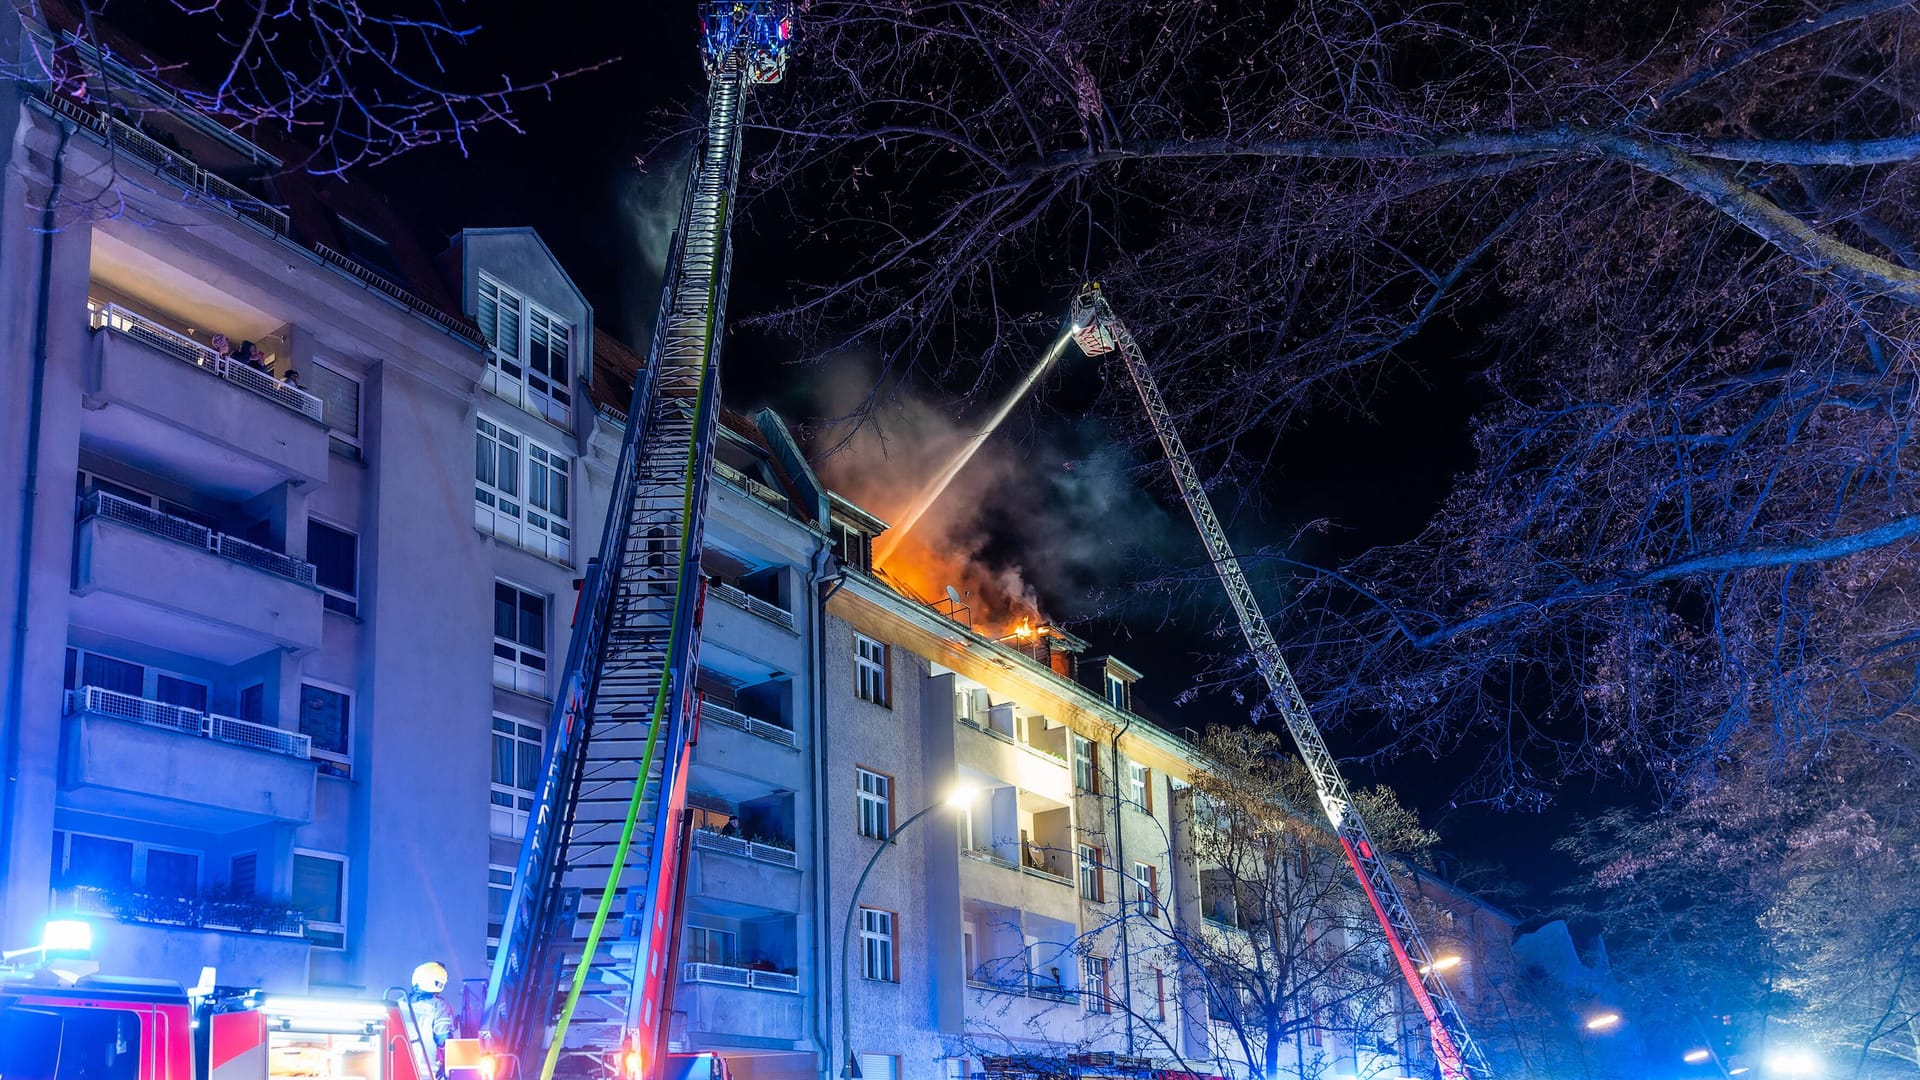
{"points": [[935, 487]]}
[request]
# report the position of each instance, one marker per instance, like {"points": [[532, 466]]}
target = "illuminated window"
{"points": [[870, 681]]}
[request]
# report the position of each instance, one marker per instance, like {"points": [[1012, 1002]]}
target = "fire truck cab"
{"points": [[100, 1028]]}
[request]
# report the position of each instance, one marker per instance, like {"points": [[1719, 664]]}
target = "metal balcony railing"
{"points": [[739, 598], [715, 713], [181, 531], [759, 850], [94, 701], [1028, 984], [234, 915], [185, 349], [171, 164], [764, 492], [746, 978]]}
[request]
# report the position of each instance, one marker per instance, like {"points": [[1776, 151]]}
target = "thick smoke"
{"points": [[1045, 516], [649, 205]]}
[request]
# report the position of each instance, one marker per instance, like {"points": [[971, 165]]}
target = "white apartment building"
{"points": [[283, 634]]}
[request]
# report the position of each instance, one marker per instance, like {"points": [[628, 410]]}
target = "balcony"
{"points": [[763, 492], [136, 757], [1023, 984], [712, 712], [173, 938], [775, 853], [746, 601], [187, 351], [747, 978], [137, 566]]}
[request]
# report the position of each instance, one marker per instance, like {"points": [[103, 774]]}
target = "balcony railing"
{"points": [[185, 349], [1028, 984], [181, 531], [747, 978], [739, 598], [234, 915], [766, 494], [94, 701], [171, 164], [714, 713], [759, 850]]}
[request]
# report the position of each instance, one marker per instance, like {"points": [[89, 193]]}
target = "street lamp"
{"points": [[1606, 1021], [1441, 964], [959, 797]]}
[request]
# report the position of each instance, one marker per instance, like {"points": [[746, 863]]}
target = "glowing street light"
{"points": [[1697, 1055], [1442, 964], [1606, 1021], [1793, 1061]]}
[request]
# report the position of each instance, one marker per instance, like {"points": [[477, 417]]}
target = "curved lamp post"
{"points": [[959, 797]]}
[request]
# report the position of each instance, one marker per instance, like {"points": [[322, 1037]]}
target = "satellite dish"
{"points": [[953, 594]]}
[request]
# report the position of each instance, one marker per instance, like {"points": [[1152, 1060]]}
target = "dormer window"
{"points": [[854, 547], [531, 361], [1116, 691]]}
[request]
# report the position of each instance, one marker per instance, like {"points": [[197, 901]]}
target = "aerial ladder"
{"points": [[584, 964], [1098, 330]]}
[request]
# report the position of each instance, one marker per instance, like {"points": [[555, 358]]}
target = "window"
{"points": [[87, 668], [956, 1069], [876, 946], [339, 395], [1116, 691], [253, 703], [1093, 976], [335, 555], [879, 1067], [326, 717], [521, 491], [519, 639], [1086, 775], [116, 865], [320, 891], [853, 546], [1140, 786], [531, 363], [499, 895], [1146, 881], [1159, 994], [516, 774], [870, 675], [1091, 883], [243, 874], [876, 804], [710, 945]]}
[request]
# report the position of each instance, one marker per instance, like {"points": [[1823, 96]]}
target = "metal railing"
{"points": [[181, 531], [739, 598], [171, 164], [711, 712], [417, 305], [95, 701], [986, 855], [234, 915], [1027, 984], [185, 349], [760, 851], [746, 978], [759, 490]]}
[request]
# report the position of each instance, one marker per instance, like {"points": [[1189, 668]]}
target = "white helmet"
{"points": [[430, 977]]}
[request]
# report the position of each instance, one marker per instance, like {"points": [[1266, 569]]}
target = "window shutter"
{"points": [[339, 398], [879, 1067]]}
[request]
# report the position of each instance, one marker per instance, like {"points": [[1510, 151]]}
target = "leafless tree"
{"points": [[1681, 239]]}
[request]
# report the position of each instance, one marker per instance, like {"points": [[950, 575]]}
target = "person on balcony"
{"points": [[222, 348], [253, 357], [292, 379], [732, 827]]}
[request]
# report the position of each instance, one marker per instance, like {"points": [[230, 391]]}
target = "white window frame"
{"points": [[878, 953], [874, 795], [1147, 886], [1116, 691], [1139, 779], [514, 672], [1086, 769], [1096, 972], [511, 513], [339, 927], [498, 877], [540, 393], [344, 762], [880, 1066], [149, 675], [509, 820], [729, 939], [351, 599], [870, 663], [1092, 884]]}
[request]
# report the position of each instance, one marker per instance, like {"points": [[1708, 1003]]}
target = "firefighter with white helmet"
{"points": [[429, 1013]]}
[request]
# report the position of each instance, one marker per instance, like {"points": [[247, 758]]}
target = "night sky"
{"points": [[574, 176]]}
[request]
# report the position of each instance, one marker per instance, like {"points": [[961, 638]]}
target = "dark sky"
{"points": [[572, 175]]}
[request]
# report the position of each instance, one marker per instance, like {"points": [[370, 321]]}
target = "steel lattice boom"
{"points": [[1098, 330], [595, 891]]}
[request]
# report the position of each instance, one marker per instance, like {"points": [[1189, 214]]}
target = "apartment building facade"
{"points": [[284, 632]]}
